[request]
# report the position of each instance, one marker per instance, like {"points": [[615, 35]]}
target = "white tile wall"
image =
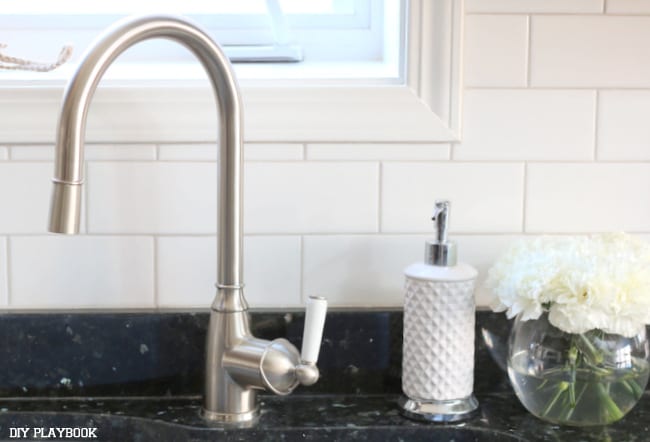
{"points": [[590, 51], [535, 6], [496, 50], [362, 152], [623, 129], [493, 193], [556, 140], [628, 6], [308, 197], [527, 124], [24, 196], [81, 271], [588, 197], [188, 266]]}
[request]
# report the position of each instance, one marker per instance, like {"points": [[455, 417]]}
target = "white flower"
{"points": [[599, 282]]}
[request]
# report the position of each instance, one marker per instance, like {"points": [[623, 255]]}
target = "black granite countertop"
{"points": [[137, 377]]}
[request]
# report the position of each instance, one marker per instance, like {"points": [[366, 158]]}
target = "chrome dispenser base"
{"points": [[438, 411]]}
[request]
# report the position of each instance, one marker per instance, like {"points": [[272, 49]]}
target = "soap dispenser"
{"points": [[439, 317]]}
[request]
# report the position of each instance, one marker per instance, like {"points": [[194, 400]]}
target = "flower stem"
{"points": [[562, 386], [613, 411]]}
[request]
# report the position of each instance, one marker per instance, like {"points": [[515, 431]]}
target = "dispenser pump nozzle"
{"points": [[440, 252]]}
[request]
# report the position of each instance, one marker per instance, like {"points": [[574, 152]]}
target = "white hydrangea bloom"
{"points": [[599, 282]]}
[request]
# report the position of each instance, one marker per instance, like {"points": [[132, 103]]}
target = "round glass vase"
{"points": [[592, 378]]}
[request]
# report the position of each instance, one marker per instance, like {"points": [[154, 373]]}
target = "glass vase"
{"points": [[592, 378]]}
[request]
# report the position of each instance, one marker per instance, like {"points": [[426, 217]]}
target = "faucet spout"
{"points": [[68, 173], [237, 363]]}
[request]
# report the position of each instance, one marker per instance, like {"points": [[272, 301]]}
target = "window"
{"points": [[408, 91], [331, 39]]}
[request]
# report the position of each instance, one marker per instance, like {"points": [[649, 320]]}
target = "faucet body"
{"points": [[237, 363]]}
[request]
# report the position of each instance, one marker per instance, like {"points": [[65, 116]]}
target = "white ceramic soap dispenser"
{"points": [[439, 317]]}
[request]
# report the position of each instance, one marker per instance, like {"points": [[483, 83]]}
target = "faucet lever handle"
{"points": [[315, 312]]}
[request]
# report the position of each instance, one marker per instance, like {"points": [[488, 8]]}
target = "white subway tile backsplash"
{"points": [[209, 152], [628, 6], [588, 197], [187, 271], [151, 197], [32, 153], [590, 51], [360, 271], [368, 270], [4, 153], [121, 152], [25, 197], [4, 287], [534, 6], [273, 152], [527, 125], [485, 197], [623, 121], [365, 152], [495, 50], [62, 272], [187, 152], [304, 197]]}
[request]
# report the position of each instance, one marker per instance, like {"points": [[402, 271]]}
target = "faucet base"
{"points": [[438, 411], [237, 419]]}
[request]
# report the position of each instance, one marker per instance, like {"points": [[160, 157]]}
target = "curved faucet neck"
{"points": [[68, 178]]}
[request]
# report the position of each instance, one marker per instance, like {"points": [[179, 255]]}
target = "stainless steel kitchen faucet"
{"points": [[237, 363]]}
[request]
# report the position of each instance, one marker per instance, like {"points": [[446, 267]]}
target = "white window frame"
{"points": [[426, 108]]}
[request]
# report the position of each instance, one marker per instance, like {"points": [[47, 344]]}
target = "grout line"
{"points": [[304, 151], [604, 7], [596, 125], [529, 41], [8, 269], [157, 152]]}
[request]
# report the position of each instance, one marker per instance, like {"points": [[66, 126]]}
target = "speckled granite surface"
{"points": [[137, 376]]}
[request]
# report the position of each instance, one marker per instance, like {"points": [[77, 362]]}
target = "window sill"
{"points": [[357, 107]]}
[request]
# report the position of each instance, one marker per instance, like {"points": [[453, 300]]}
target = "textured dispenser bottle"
{"points": [[439, 316]]}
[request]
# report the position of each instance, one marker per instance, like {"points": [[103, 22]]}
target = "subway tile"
{"points": [[485, 197], [187, 271], [25, 197], [4, 293], [532, 6], [590, 51], [63, 272], [623, 125], [151, 197], [587, 197], [495, 48], [187, 152], [527, 125], [4, 153], [208, 152], [303, 197], [275, 152], [121, 152], [368, 271], [365, 152], [180, 197], [32, 153], [628, 6]]}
